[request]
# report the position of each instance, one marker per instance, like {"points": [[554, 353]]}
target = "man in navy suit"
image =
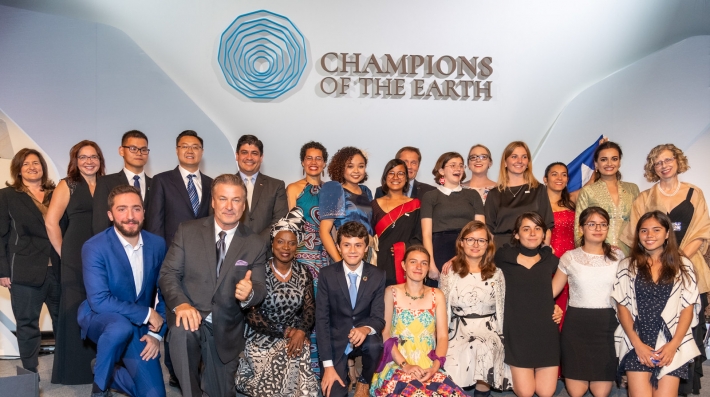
{"points": [[413, 158], [121, 266], [350, 313]]}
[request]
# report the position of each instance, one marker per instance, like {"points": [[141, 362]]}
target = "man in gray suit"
{"points": [[266, 196], [213, 272]]}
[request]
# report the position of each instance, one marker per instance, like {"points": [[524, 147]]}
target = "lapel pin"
{"points": [[364, 278]]}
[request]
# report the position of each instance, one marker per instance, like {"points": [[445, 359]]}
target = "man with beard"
{"points": [[121, 266]]}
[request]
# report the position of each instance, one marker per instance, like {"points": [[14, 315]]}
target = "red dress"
{"points": [[562, 240]]}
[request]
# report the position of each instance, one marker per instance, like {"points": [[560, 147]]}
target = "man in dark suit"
{"points": [[178, 196], [413, 158], [350, 313], [266, 196], [134, 150], [121, 267], [213, 272]]}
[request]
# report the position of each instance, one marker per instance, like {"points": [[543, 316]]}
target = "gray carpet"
{"points": [[47, 389]]}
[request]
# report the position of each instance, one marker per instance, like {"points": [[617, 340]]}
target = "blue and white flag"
{"points": [[581, 168]]}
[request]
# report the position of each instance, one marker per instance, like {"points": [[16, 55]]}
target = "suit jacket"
{"points": [[25, 250], [104, 185], [269, 205], [335, 316], [418, 192], [189, 275], [170, 204], [108, 279]]}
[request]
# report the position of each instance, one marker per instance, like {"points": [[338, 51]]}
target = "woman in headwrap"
{"points": [[277, 358]]}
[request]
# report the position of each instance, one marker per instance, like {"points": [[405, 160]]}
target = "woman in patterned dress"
{"points": [[479, 162], [277, 361], [416, 336], [475, 295], [304, 194]]}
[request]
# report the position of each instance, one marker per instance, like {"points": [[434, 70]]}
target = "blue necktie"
{"points": [[137, 184], [192, 192], [353, 299]]}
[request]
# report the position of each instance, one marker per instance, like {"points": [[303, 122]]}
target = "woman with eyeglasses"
{"points": [[587, 341], [446, 210], [517, 192], [73, 200], [475, 292], [608, 192], [479, 162], [395, 220], [686, 207]]}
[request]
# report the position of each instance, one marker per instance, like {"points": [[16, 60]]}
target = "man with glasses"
{"points": [[413, 158], [134, 150], [177, 196]]}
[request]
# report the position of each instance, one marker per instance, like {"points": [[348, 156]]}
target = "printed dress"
{"points": [[416, 331]]}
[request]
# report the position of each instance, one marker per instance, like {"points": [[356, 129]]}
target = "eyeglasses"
{"points": [[659, 164], [84, 158], [316, 159], [194, 148], [136, 149], [595, 226], [456, 166], [479, 157], [472, 241], [399, 174]]}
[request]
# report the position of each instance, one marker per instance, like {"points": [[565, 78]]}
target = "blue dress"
{"points": [[342, 205]]}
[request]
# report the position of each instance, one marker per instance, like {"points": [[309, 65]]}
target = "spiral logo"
{"points": [[262, 55]]}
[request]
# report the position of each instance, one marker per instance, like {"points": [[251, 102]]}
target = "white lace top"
{"points": [[591, 278]]}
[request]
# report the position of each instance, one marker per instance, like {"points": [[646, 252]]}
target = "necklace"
{"points": [[413, 297], [516, 193], [394, 221], [283, 276], [677, 188]]}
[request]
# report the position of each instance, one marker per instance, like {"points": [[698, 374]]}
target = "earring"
{"points": [[304, 171], [322, 173], [441, 181]]}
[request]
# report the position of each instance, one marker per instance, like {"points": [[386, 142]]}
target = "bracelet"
{"points": [[403, 364]]}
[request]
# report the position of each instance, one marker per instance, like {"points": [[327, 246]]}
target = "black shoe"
{"points": [[478, 393], [173, 381], [106, 393]]}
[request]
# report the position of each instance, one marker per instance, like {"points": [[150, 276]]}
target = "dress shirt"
{"points": [[135, 258], [408, 193], [197, 181], [141, 181], [448, 191], [252, 178]]}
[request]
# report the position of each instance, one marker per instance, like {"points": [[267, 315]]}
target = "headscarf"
{"points": [[292, 222]]}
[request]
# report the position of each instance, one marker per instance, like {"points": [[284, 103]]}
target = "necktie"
{"points": [[353, 298], [250, 190], [221, 250], [192, 192], [137, 184]]}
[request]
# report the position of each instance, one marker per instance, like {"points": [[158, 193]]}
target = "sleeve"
{"points": [[416, 236], [445, 284], [5, 228], [260, 322], [689, 292], [581, 205], [280, 208], [427, 208], [476, 201], [544, 208], [307, 318], [499, 289], [564, 265], [323, 327], [621, 292], [491, 209], [100, 221], [699, 227], [638, 208], [160, 306], [378, 193], [367, 192], [376, 321], [258, 276], [173, 270], [155, 218], [331, 201]]}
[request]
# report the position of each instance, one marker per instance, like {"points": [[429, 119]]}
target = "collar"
{"points": [[125, 243], [252, 178], [185, 172], [448, 191], [229, 232], [130, 175], [357, 271]]}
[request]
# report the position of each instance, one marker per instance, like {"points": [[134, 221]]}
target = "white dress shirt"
{"points": [[227, 241], [197, 181], [141, 181]]}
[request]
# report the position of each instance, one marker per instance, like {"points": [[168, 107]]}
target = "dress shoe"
{"points": [[173, 381], [106, 393]]}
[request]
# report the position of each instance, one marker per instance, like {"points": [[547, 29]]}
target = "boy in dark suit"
{"points": [[350, 311]]}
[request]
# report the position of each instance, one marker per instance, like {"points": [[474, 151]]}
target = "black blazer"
{"points": [[335, 316], [25, 250], [189, 275], [269, 206], [418, 192], [170, 204], [104, 185]]}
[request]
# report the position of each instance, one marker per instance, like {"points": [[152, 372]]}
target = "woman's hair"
{"points": [[604, 146], [490, 157], [73, 172], [441, 163], [16, 169], [416, 248], [584, 216], [503, 172], [336, 168], [317, 146], [671, 265], [535, 218], [649, 171], [459, 265], [565, 200], [388, 167]]}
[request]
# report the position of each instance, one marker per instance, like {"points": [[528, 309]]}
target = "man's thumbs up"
{"points": [[244, 287]]}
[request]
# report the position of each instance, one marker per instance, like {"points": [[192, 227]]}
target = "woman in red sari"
{"points": [[395, 220]]}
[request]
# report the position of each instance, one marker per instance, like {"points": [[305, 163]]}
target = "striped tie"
{"points": [[137, 184], [192, 192]]}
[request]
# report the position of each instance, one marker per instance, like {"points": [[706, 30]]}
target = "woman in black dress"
{"points": [[518, 191], [27, 261], [532, 347], [73, 200], [395, 220]]}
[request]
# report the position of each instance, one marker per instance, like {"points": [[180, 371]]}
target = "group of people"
{"points": [[258, 288]]}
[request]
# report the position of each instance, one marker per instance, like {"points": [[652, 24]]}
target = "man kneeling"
{"points": [[121, 267]]}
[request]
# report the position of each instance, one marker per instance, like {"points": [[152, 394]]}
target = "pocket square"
{"points": [[241, 263]]}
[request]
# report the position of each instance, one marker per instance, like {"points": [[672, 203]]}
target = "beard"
{"points": [[129, 233]]}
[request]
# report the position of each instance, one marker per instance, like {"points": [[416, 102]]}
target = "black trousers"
{"points": [[370, 350], [26, 306]]}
